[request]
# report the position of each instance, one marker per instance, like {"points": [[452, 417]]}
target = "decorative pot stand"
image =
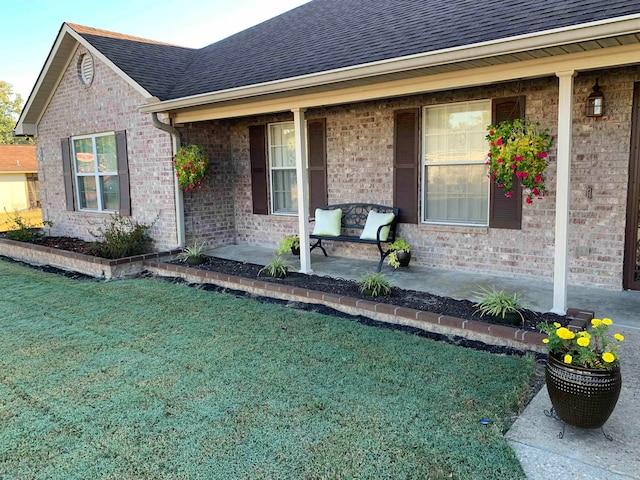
{"points": [[552, 414]]}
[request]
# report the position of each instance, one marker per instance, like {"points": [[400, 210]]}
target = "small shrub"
{"points": [[498, 303], [121, 237], [277, 268], [374, 284], [22, 230], [193, 254]]}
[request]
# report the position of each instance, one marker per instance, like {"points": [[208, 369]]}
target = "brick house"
{"points": [[360, 101], [18, 178]]}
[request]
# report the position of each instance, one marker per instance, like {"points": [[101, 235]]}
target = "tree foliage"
{"points": [[10, 108]]}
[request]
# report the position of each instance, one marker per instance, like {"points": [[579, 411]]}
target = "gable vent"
{"points": [[85, 69]]}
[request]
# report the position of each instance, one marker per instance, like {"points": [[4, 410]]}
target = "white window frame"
{"points": [[425, 165], [272, 168], [96, 173]]}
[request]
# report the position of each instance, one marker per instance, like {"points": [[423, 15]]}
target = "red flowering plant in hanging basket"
{"points": [[192, 167], [519, 148]]}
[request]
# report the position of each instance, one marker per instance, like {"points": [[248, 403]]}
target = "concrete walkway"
{"points": [[581, 454]]}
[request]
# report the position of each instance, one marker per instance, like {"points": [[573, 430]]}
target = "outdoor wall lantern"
{"points": [[595, 102]]}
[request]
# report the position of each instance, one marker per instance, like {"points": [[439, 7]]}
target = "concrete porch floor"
{"points": [[581, 454]]}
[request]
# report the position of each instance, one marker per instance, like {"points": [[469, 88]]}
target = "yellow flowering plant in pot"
{"points": [[519, 148], [192, 167], [582, 373], [593, 348]]}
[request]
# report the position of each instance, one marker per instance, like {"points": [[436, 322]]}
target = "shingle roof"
{"points": [[153, 65], [326, 35], [18, 158]]}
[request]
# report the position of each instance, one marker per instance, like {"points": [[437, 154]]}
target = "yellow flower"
{"points": [[619, 337], [584, 334], [608, 357], [556, 324], [607, 321], [568, 358], [565, 333], [596, 322], [545, 340], [583, 341]]}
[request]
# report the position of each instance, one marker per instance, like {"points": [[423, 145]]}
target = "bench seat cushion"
{"points": [[374, 221]]}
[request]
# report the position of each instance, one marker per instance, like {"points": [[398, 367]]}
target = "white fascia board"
{"points": [[25, 129], [522, 43]]}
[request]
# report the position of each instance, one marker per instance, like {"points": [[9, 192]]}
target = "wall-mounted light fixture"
{"points": [[595, 102]]}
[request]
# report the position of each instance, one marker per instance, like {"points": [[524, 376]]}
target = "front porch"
{"points": [[621, 306]]}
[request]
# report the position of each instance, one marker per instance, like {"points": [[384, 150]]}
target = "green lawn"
{"points": [[144, 379]]}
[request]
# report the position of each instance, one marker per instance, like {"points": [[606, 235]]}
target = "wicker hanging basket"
{"points": [[582, 397]]}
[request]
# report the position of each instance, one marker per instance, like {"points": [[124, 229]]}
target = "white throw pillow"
{"points": [[328, 222], [374, 220]]}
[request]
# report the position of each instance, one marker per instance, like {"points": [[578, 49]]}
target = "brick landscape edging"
{"points": [[97, 267], [492, 334]]}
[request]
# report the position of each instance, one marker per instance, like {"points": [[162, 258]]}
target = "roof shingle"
{"points": [[325, 35]]}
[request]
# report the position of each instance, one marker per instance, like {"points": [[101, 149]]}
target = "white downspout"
{"points": [[563, 192], [179, 199]]}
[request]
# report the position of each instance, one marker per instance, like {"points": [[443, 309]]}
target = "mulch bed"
{"points": [[464, 309]]}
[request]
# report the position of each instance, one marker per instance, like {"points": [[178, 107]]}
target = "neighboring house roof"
{"points": [[18, 159], [326, 42]]}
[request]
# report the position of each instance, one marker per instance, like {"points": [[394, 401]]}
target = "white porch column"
{"points": [[563, 191], [303, 189]]}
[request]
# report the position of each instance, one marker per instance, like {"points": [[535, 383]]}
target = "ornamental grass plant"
{"points": [[149, 379], [593, 348]]}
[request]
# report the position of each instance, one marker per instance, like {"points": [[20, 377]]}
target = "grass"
{"points": [[144, 379]]}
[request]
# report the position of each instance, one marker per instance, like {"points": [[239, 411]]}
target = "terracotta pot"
{"points": [[582, 397]]}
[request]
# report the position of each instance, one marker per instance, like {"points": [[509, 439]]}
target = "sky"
{"points": [[28, 28]]}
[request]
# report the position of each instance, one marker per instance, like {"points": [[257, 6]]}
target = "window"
{"points": [[95, 167], [282, 168], [454, 177]]}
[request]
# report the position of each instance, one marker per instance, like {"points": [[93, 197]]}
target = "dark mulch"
{"points": [[67, 243], [400, 297]]}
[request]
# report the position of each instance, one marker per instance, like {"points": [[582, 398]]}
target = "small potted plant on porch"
{"points": [[289, 243], [192, 167], [583, 373], [400, 253], [519, 148]]}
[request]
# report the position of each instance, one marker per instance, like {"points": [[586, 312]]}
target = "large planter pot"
{"points": [[582, 397]]}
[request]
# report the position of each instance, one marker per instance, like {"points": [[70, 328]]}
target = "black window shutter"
{"points": [[67, 171], [406, 145], [258, 156], [317, 138], [123, 174], [506, 212]]}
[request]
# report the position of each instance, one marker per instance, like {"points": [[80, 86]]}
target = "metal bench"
{"points": [[354, 218]]}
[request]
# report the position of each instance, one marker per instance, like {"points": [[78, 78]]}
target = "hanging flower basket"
{"points": [[192, 167], [519, 148]]}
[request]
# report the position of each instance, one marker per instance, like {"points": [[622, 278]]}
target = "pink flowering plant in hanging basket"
{"points": [[192, 167], [521, 148]]}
